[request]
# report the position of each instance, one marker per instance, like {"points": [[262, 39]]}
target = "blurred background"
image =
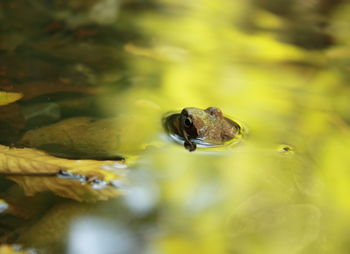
{"points": [[281, 68]]}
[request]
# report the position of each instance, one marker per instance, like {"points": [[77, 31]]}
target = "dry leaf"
{"points": [[9, 97], [93, 179]]}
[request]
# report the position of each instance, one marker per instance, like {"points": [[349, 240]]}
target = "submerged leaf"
{"points": [[12, 114], [83, 137], [9, 97], [82, 180], [34, 89], [77, 136]]}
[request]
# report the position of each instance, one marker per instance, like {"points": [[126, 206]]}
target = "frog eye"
{"points": [[214, 111], [188, 122]]}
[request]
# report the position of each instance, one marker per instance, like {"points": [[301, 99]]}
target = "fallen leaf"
{"points": [[12, 114], [10, 41], [79, 135], [13, 249], [126, 135], [23, 206], [82, 180], [36, 88], [89, 53], [47, 233], [9, 97]]}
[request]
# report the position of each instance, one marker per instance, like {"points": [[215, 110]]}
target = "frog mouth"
{"points": [[174, 125], [187, 132], [189, 145]]}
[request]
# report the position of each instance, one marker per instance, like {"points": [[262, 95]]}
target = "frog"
{"points": [[202, 126]]}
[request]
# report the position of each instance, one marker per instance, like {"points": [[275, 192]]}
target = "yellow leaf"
{"points": [[9, 97], [82, 180], [12, 249]]}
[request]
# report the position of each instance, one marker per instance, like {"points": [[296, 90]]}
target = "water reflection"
{"points": [[269, 222], [97, 76], [142, 194], [92, 235]]}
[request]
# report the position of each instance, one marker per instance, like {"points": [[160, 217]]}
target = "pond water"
{"points": [[93, 81]]}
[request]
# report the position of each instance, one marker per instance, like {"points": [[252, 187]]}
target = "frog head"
{"points": [[207, 125]]}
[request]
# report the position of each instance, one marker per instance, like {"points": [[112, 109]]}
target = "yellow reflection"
{"points": [[251, 198]]}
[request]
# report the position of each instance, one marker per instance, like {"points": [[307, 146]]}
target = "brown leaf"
{"points": [[16, 67], [12, 113], [36, 88], [93, 178]]}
